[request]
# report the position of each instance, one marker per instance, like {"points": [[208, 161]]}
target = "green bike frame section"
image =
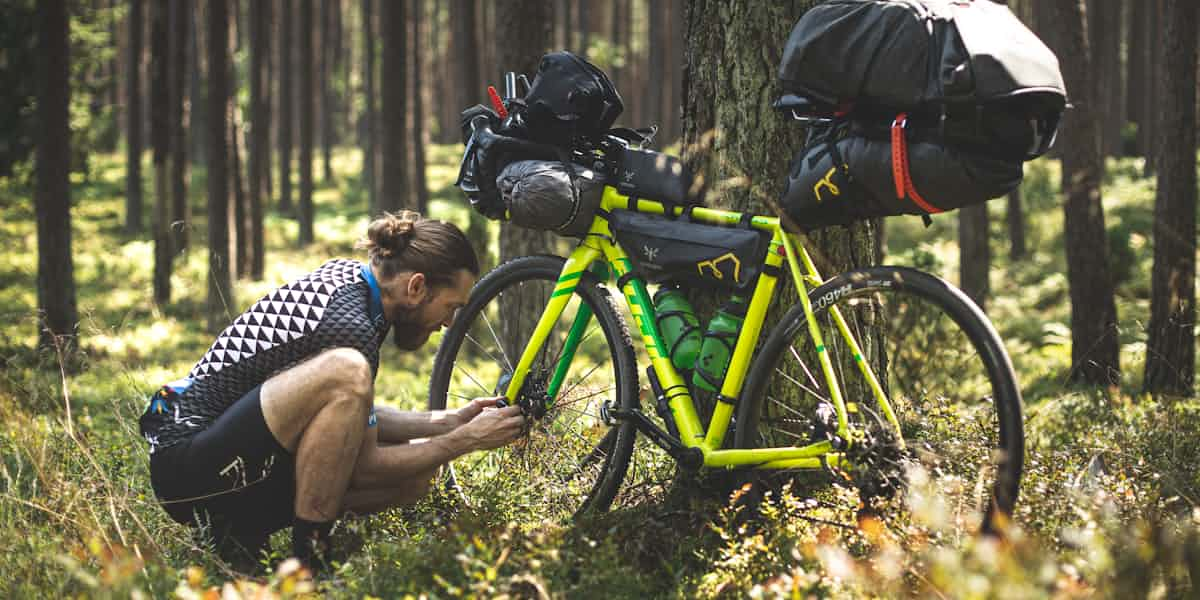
{"points": [[599, 251]]}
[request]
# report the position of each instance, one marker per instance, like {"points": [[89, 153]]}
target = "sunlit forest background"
{"points": [[165, 163]]}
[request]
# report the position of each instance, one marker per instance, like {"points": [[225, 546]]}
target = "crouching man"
{"points": [[276, 425]]}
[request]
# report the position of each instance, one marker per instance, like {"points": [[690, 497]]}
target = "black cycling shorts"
{"points": [[233, 474]]}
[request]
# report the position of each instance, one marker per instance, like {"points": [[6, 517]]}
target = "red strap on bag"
{"points": [[900, 173]]}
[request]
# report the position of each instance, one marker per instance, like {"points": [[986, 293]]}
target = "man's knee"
{"points": [[347, 371]]}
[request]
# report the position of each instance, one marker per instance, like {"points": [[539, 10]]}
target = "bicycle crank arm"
{"points": [[688, 458]]}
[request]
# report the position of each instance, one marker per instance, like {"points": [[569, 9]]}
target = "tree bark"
{"points": [[305, 214], [523, 34], [198, 114], [1094, 343], [656, 57], [369, 127], [674, 69], [160, 145], [1148, 127], [133, 118], [326, 125], [220, 282], [392, 27], [259, 128], [58, 327], [420, 135], [1104, 27], [975, 257], [1016, 226], [286, 118], [1171, 350], [1135, 79], [463, 16], [180, 16]]}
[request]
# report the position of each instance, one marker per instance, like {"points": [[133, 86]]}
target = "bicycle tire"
{"points": [[521, 476], [877, 295]]}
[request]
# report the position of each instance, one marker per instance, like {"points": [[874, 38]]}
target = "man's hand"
{"points": [[466, 414], [492, 427]]}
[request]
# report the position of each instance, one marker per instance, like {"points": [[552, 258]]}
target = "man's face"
{"points": [[435, 310]]}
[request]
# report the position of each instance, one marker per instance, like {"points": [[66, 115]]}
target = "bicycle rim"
{"points": [[943, 368], [570, 462]]}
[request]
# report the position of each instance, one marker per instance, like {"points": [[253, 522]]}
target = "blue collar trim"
{"points": [[375, 306]]}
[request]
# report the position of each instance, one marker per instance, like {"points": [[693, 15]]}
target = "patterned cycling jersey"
{"points": [[338, 305]]}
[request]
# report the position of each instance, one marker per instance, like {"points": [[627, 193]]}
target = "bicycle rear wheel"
{"points": [[941, 364], [570, 462]]}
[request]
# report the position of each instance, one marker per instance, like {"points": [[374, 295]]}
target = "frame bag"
{"points": [[689, 253], [929, 106]]}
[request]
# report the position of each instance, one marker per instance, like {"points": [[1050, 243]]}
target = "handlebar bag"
{"points": [[569, 97], [689, 253], [541, 194]]}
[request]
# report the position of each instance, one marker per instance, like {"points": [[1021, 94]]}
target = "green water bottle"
{"points": [[717, 347], [678, 325]]}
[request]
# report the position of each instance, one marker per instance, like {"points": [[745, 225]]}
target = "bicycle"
{"points": [[781, 408]]}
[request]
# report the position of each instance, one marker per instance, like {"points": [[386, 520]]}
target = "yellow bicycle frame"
{"points": [[599, 243]]}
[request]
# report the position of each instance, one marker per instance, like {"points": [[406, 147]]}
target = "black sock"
{"points": [[310, 542]]}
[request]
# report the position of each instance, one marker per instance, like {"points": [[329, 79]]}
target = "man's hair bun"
{"points": [[390, 235]]}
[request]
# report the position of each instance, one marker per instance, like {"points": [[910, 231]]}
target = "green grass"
{"points": [[1109, 505]]}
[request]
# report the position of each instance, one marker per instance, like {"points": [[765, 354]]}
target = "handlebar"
{"points": [[485, 147]]}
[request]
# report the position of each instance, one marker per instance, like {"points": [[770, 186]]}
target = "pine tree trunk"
{"points": [[1148, 128], [395, 168], [1094, 344], [58, 327], [975, 256], [674, 69], [286, 118], [326, 112], [220, 283], [1135, 79], [1016, 226], [160, 145], [369, 127], [420, 137], [133, 118], [197, 89], [305, 212], [180, 16], [523, 34], [1171, 349], [656, 56], [1104, 27], [732, 138], [259, 128]]}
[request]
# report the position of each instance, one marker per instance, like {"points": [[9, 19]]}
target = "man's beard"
{"points": [[409, 333]]}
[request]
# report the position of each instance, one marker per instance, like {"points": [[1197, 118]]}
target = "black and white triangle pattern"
{"points": [[286, 314]]}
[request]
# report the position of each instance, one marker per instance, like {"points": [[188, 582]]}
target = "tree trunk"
{"points": [[420, 137], [241, 204], [656, 55], [1094, 344], [259, 128], [975, 257], [286, 118], [1148, 128], [160, 145], [198, 113], [370, 179], [133, 118], [392, 27], [523, 34], [1171, 349], [734, 141], [326, 125], [583, 26], [1016, 226], [305, 214], [59, 323], [674, 70], [220, 283], [463, 18], [1135, 79], [180, 16], [1104, 27]]}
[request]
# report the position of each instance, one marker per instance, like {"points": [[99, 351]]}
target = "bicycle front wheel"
{"points": [[570, 462], [939, 362]]}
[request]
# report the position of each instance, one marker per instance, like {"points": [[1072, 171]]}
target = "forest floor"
{"points": [[1109, 507]]}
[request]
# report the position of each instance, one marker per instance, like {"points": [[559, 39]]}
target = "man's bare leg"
{"points": [[318, 411]]}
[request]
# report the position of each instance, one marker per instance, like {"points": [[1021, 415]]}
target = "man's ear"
{"points": [[417, 287]]}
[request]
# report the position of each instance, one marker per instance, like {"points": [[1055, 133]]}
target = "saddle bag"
{"points": [[688, 253], [933, 105]]}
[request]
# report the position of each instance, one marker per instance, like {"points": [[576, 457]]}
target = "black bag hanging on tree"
{"points": [[928, 106]]}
